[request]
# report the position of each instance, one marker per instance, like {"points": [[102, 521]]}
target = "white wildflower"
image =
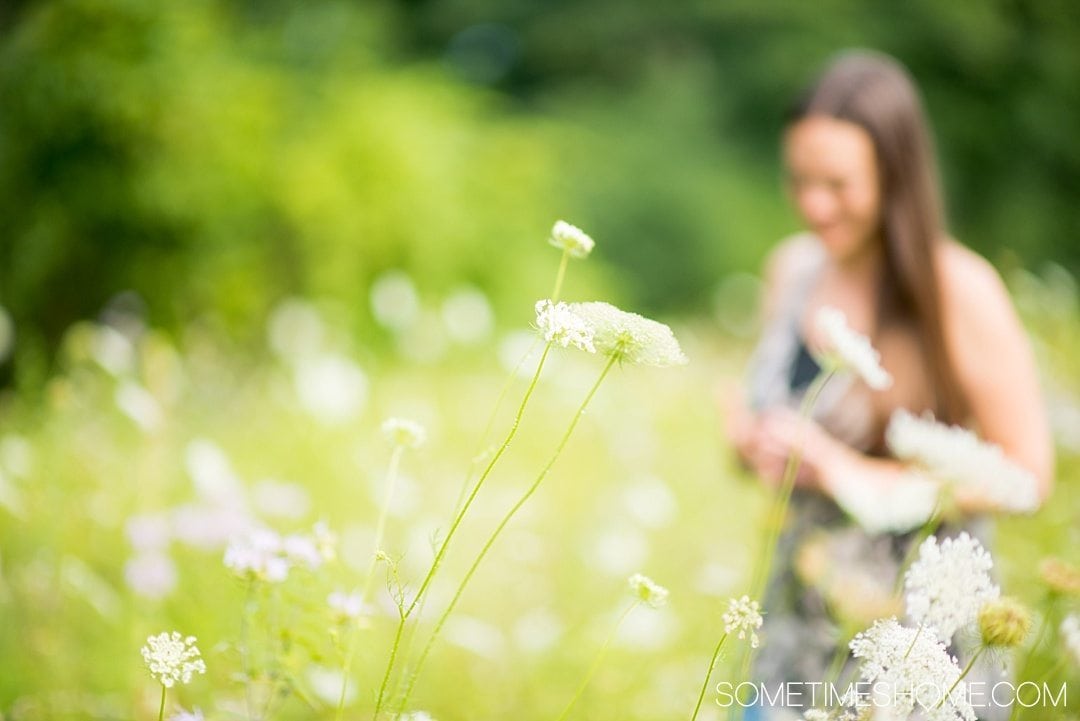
{"points": [[571, 238], [1070, 635], [415, 716], [301, 549], [949, 583], [346, 606], [629, 336], [172, 658], [332, 388], [139, 405], [743, 616], [851, 350], [916, 667], [560, 325], [954, 455], [403, 432], [151, 574], [193, 715], [258, 555], [644, 589], [325, 540]]}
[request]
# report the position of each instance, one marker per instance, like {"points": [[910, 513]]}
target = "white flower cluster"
{"points": [[955, 455], [851, 350], [743, 616], [949, 583], [172, 658], [264, 555], [571, 238], [644, 589], [629, 336], [1070, 635], [346, 606], [403, 432], [916, 667], [559, 324]]}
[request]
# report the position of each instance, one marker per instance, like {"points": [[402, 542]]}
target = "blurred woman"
{"points": [[861, 174]]}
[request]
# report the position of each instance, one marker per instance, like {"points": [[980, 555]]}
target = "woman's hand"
{"points": [[781, 432]]}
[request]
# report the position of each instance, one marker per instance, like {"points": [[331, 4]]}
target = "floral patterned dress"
{"points": [[830, 578]]}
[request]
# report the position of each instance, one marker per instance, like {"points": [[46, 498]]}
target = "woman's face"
{"points": [[833, 180]]}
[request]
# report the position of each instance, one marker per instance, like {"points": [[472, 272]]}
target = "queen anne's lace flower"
{"points": [[644, 589], [172, 658], [629, 336], [345, 606], [954, 455], [743, 616], [949, 583], [560, 324], [917, 669], [851, 350], [571, 238], [258, 555], [403, 432]]}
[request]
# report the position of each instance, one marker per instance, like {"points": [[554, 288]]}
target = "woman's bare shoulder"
{"points": [[969, 283]]}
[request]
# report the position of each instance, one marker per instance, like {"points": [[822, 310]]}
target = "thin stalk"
{"points": [[596, 661], [161, 708], [559, 276], [960, 678], [708, 673], [778, 509], [491, 422], [384, 511], [914, 638], [927, 529], [404, 616], [502, 524], [839, 658]]}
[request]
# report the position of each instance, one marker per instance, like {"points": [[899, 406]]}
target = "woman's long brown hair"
{"points": [[876, 93]]}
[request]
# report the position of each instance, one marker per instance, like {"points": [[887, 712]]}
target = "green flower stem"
{"points": [[778, 510], [927, 529], [161, 708], [404, 616], [491, 422], [839, 657], [596, 661], [502, 524], [960, 678], [380, 527], [918, 632], [1044, 624], [708, 674], [559, 277]]}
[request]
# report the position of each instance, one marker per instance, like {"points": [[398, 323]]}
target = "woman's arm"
{"points": [[994, 363]]}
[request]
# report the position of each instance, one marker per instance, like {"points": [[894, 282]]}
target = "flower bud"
{"points": [[1004, 623]]}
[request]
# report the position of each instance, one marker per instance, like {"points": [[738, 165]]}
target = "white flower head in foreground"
{"points": [[571, 238], [949, 584], [559, 324], [743, 616], [851, 350], [644, 589], [172, 658], [403, 432], [629, 336], [955, 455], [193, 715], [1070, 635], [916, 667]]}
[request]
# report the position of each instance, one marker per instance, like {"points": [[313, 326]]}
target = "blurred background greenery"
{"points": [[175, 170], [216, 156]]}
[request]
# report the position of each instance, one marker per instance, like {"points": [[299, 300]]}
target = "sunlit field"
{"points": [[125, 476]]}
